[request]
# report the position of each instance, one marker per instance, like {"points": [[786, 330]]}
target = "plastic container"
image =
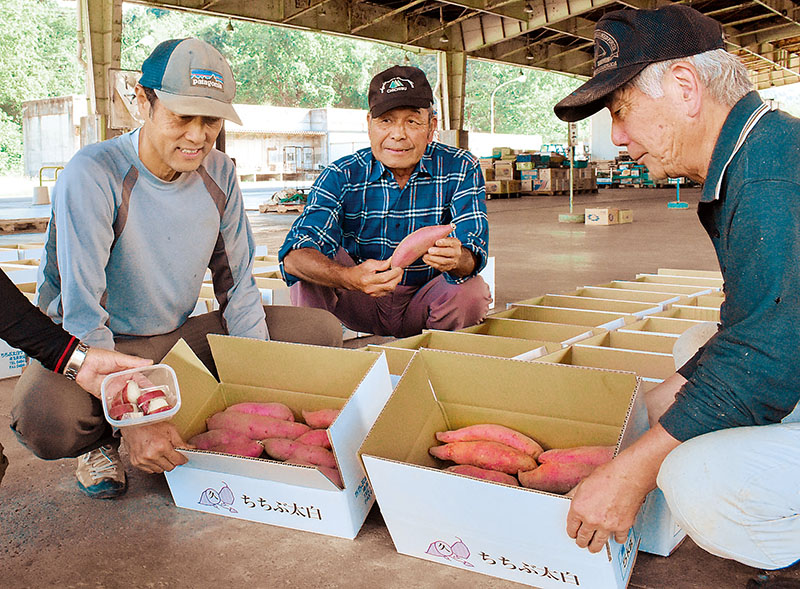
{"points": [[149, 379]]}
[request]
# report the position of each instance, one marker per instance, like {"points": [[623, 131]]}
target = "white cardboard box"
{"points": [[263, 490], [495, 529]]}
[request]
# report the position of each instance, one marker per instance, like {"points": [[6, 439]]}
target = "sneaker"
{"points": [[100, 473]]}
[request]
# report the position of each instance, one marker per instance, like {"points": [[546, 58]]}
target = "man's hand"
{"points": [[606, 502], [447, 255], [99, 363], [152, 446], [373, 277]]}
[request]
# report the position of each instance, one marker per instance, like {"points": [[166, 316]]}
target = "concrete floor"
{"points": [[52, 536]]}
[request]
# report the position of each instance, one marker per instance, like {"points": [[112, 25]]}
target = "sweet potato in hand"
{"points": [[414, 245]]}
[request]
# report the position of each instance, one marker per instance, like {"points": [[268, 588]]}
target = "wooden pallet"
{"points": [[281, 208], [37, 225], [502, 195]]}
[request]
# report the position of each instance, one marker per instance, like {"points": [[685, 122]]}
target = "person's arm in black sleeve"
{"points": [[24, 326]]}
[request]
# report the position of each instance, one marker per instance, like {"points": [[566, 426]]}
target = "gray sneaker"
{"points": [[100, 473]]}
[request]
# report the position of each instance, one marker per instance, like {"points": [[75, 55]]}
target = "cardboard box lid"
{"points": [[559, 406]]}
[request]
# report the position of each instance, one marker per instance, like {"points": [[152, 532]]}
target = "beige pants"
{"points": [[54, 418]]}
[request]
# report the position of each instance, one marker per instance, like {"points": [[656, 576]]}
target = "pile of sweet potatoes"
{"points": [[251, 429], [503, 455]]}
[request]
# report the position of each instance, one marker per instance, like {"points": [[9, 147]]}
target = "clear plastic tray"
{"points": [[149, 379]]}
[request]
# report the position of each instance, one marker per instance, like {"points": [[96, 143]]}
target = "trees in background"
{"points": [[272, 65]]}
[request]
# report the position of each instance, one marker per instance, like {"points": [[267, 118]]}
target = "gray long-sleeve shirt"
{"points": [[126, 252], [747, 374]]}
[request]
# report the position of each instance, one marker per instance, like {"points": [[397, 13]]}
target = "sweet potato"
{"points": [[292, 450], [484, 473], [415, 245], [489, 455], [256, 427], [331, 472], [321, 419], [276, 410], [555, 477], [490, 432], [216, 437], [240, 447], [316, 437], [592, 455]]}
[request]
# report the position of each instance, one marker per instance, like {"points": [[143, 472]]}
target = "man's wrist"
{"points": [[76, 361]]}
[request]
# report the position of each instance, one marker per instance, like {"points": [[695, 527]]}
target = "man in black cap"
{"points": [[724, 442], [337, 253]]}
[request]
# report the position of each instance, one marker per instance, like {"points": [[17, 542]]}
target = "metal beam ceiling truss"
{"points": [[553, 35]]}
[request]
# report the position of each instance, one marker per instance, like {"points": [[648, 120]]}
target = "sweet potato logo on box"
{"points": [[457, 551], [222, 499]]}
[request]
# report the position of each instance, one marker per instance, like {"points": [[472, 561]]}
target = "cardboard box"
{"points": [[653, 365], [498, 152], [663, 300], [498, 530], [680, 289], [8, 254], [19, 276], [633, 340], [504, 170], [540, 331], [601, 319], [638, 309], [524, 165], [262, 490], [662, 325], [713, 283], [274, 291], [625, 216], [713, 301], [691, 312], [502, 187], [399, 352], [12, 360], [602, 216], [700, 273], [488, 173]]}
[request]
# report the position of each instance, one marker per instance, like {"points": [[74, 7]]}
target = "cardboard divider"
{"points": [[654, 365], [686, 272], [661, 299], [693, 313], [673, 289], [715, 283], [399, 352], [601, 319], [639, 309], [443, 517], [713, 300], [534, 330], [661, 325], [629, 340]]}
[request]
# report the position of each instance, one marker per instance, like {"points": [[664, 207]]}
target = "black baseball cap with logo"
{"points": [[399, 86], [627, 41]]}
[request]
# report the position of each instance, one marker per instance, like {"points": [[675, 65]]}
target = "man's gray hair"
{"points": [[721, 73]]}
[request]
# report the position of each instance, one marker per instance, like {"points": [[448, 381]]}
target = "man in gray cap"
{"points": [[724, 441], [337, 255], [136, 222]]}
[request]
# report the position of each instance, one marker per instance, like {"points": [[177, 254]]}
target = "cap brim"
{"points": [[591, 97], [198, 106], [399, 102]]}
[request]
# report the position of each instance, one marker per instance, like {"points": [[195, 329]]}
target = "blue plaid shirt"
{"points": [[357, 204]]}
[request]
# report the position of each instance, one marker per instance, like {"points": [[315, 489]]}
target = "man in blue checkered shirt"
{"points": [[337, 253]]}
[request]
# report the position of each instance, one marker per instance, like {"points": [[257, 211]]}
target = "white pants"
{"points": [[736, 492]]}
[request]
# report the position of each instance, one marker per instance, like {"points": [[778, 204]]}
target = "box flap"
{"points": [[199, 390]]}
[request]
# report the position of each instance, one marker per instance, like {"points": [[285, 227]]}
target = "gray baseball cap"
{"points": [[191, 78]]}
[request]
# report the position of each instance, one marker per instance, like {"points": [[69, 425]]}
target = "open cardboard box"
{"points": [[692, 312], [661, 325], [274, 291], [639, 309], [533, 330], [601, 319], [399, 352], [663, 300], [633, 340], [714, 283], [263, 490], [713, 300], [673, 289], [508, 532]]}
